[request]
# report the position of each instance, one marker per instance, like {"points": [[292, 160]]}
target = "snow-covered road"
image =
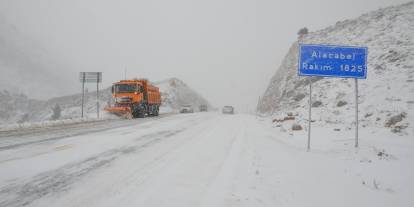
{"points": [[201, 159]]}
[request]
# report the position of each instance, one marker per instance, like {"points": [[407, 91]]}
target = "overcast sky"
{"points": [[227, 50]]}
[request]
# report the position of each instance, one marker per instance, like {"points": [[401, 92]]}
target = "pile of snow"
{"points": [[175, 93], [386, 96], [49, 123]]}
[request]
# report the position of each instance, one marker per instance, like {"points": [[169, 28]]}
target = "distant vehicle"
{"points": [[228, 110], [203, 108], [135, 99], [186, 109]]}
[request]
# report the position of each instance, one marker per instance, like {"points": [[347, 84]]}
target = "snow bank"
{"points": [[48, 123]]}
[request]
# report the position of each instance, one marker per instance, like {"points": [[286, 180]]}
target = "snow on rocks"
{"points": [[388, 90], [175, 93]]}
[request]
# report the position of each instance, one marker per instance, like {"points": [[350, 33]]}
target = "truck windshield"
{"points": [[125, 88]]}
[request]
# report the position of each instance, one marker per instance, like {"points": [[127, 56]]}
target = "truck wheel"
{"points": [[135, 114], [151, 111], [138, 114], [157, 111]]}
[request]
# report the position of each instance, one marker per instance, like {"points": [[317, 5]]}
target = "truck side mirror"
{"points": [[113, 89]]}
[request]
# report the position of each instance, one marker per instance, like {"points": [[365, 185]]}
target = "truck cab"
{"points": [[127, 92]]}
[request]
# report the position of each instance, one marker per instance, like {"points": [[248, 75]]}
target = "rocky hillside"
{"points": [[18, 108], [175, 93], [15, 108], [386, 95]]}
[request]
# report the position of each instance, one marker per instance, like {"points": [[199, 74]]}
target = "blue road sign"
{"points": [[333, 61]]}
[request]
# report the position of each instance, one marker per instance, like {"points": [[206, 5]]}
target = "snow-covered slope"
{"points": [[18, 108], [386, 95], [175, 93], [15, 108]]}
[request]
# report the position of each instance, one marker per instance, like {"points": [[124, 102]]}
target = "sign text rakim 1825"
{"points": [[333, 61]]}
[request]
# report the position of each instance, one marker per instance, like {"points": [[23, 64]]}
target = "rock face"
{"points": [[317, 104], [389, 35], [341, 103], [395, 119], [296, 127]]}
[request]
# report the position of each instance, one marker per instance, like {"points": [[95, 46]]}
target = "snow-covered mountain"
{"points": [[18, 108], [386, 96], [175, 93]]}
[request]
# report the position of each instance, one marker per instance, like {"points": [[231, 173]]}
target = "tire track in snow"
{"points": [[14, 139], [59, 180], [222, 183], [137, 175]]}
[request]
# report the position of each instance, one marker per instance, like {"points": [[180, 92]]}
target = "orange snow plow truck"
{"points": [[135, 99]]}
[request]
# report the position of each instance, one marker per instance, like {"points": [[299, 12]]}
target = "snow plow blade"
{"points": [[120, 111]]}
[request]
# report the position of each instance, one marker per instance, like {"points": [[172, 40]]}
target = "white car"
{"points": [[228, 110], [186, 109]]}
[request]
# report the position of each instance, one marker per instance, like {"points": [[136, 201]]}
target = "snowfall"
{"points": [[203, 159]]}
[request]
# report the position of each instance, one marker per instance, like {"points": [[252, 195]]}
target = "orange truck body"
{"points": [[135, 98]]}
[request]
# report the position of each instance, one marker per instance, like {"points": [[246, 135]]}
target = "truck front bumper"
{"points": [[119, 110]]}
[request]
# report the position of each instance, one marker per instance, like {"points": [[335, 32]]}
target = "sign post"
{"points": [[333, 61], [310, 113], [356, 113], [91, 77], [97, 95], [83, 91]]}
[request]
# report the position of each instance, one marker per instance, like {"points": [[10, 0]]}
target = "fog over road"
{"points": [[200, 159]]}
